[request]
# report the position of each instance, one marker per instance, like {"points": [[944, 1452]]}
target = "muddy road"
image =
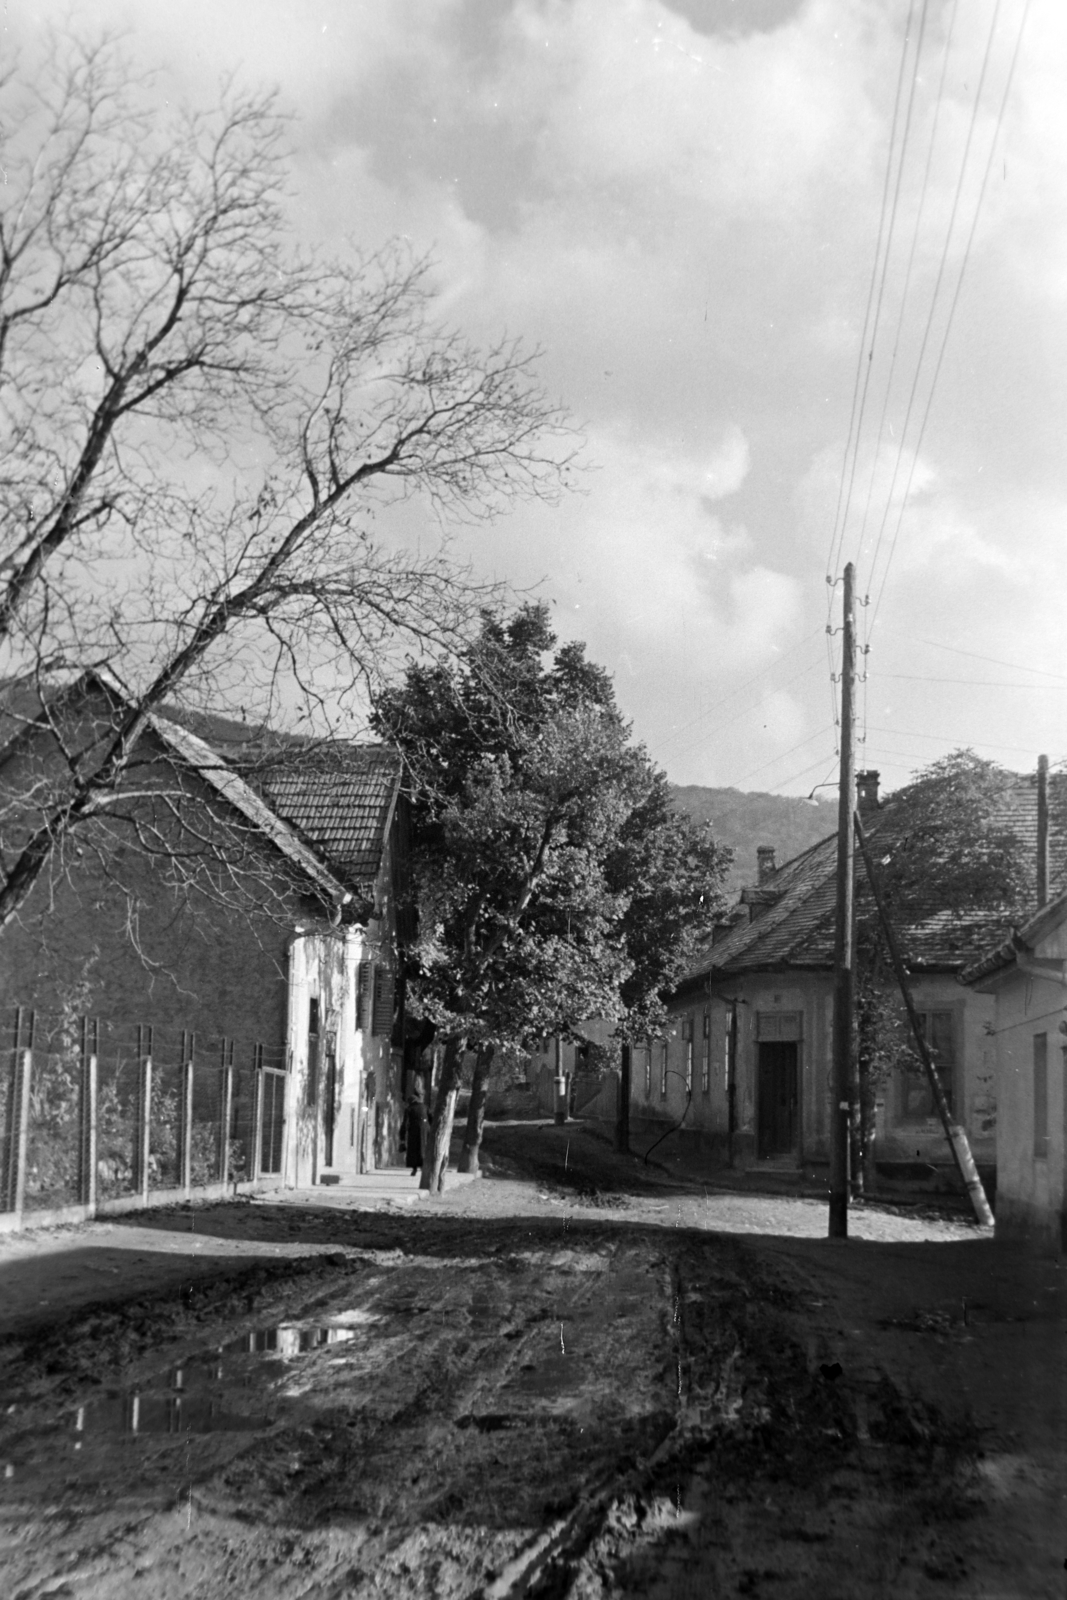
{"points": [[563, 1380]]}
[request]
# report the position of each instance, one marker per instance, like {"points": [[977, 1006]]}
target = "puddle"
{"points": [[199, 1395], [287, 1340]]}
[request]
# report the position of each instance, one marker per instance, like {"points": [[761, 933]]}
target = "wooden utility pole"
{"points": [[1042, 831], [956, 1135], [841, 1075]]}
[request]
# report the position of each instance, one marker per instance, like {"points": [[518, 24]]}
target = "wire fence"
{"points": [[94, 1111]]}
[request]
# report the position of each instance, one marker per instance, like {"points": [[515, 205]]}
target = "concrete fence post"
{"points": [[18, 1128], [185, 1114], [90, 1053], [143, 1134], [255, 1155], [225, 1110]]}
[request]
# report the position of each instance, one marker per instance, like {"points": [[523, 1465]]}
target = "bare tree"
{"points": [[199, 419]]}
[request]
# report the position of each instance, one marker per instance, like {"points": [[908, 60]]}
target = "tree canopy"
{"points": [[554, 880], [948, 846]]}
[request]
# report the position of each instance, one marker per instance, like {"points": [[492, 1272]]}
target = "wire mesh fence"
{"points": [[94, 1109], [117, 1108]]}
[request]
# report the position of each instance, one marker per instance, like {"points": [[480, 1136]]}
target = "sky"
{"points": [[798, 268]]}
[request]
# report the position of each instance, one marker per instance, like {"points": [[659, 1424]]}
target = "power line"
{"points": [[816, 766], [881, 286], [939, 279], [834, 554], [938, 738], [973, 655], [742, 686], [744, 711], [976, 683], [963, 268], [781, 757], [923, 192]]}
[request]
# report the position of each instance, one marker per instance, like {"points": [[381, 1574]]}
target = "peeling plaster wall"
{"points": [[1031, 1188]]}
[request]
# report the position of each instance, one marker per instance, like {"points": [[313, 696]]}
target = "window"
{"points": [[705, 1054], [362, 990], [687, 1045], [648, 1072], [916, 1096], [1040, 1095], [381, 1022], [783, 1025], [663, 1069]]}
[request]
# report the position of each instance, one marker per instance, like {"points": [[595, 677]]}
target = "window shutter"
{"points": [[362, 989], [382, 1007]]}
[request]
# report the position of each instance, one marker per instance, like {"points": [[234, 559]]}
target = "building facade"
{"points": [[744, 1065], [228, 938], [1026, 978]]}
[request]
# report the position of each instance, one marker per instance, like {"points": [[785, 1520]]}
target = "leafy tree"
{"points": [[543, 840], [199, 418], [950, 865]]}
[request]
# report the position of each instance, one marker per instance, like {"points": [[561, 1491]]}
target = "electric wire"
{"points": [[782, 755], [884, 274], [915, 232], [744, 712], [959, 281], [677, 733], [931, 313], [815, 766], [938, 738], [976, 683], [833, 558], [973, 655]]}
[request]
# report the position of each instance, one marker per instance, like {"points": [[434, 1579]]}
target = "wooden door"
{"points": [[777, 1103]]}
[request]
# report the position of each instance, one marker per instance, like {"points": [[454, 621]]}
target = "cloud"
{"points": [[681, 207]]}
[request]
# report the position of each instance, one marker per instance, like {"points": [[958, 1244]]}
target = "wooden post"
{"points": [[956, 1135], [143, 1135], [90, 1054], [185, 1123], [622, 1121], [226, 1110], [840, 1119], [1042, 831]]}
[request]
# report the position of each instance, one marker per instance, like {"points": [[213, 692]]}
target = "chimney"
{"points": [[766, 866], [1042, 831], [866, 792]]}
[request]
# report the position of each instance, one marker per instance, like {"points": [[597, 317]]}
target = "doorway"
{"points": [[777, 1098]]}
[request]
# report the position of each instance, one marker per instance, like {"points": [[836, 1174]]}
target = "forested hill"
{"points": [[744, 821]]}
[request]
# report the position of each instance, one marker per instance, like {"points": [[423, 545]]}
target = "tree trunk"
{"points": [[622, 1119], [439, 1130], [472, 1139]]}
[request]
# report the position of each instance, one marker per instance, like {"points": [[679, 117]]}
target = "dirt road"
{"points": [[571, 1378]]}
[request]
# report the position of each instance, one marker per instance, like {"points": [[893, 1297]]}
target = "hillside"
{"points": [[744, 821]]}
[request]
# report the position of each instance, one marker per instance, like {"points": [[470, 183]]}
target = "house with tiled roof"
{"points": [[745, 1062], [238, 903], [1026, 977]]}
